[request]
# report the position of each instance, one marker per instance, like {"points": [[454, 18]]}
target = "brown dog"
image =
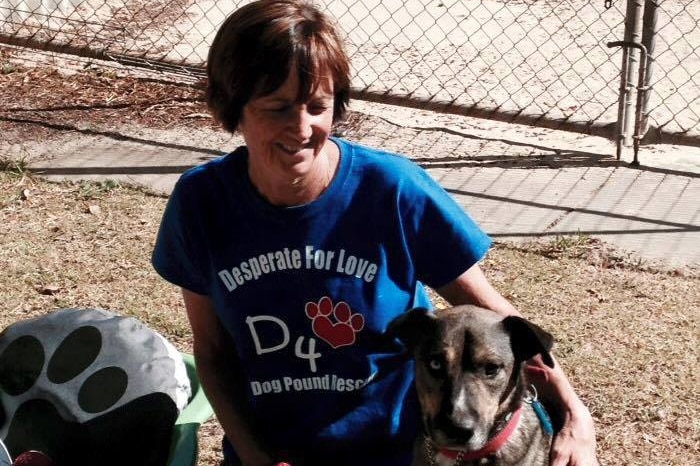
{"points": [[472, 388]]}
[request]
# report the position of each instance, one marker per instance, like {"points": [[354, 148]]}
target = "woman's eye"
{"points": [[317, 109]]}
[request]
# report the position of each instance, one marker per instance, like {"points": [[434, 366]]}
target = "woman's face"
{"points": [[284, 137]]}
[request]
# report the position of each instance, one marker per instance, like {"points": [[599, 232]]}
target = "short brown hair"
{"points": [[257, 47]]}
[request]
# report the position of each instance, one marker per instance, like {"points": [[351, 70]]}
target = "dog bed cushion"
{"points": [[87, 386]]}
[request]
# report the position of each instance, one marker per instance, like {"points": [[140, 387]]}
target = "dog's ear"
{"points": [[412, 327], [528, 340]]}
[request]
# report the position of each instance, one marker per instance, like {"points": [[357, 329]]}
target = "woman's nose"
{"points": [[301, 123]]}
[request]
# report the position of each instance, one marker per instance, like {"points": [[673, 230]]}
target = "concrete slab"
{"points": [[146, 162]]}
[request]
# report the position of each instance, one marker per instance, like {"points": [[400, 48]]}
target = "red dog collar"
{"points": [[493, 445]]}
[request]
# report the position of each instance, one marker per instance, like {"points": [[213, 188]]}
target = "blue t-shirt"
{"points": [[307, 292]]}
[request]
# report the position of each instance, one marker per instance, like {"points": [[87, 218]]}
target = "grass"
{"points": [[627, 336], [96, 189], [13, 165]]}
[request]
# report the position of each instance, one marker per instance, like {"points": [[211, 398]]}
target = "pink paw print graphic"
{"points": [[338, 330]]}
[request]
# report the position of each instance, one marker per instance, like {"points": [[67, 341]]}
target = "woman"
{"points": [[295, 251]]}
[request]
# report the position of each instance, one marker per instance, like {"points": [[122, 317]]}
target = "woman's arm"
{"points": [[575, 443], [218, 371]]}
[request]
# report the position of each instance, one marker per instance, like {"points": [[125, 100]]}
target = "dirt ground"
{"points": [[627, 333]]}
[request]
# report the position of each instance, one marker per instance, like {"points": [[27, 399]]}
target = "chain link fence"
{"points": [[541, 62]]}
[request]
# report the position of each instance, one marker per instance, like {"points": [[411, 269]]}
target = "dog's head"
{"points": [[469, 365]]}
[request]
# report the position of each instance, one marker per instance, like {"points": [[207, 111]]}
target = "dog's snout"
{"points": [[456, 435], [455, 429]]}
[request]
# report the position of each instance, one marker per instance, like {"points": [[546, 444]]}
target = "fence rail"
{"points": [[541, 62]]}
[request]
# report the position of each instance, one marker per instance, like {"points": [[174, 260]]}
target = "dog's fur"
{"points": [[469, 376]]}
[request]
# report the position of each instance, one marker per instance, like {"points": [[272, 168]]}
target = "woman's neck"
{"points": [[302, 189]]}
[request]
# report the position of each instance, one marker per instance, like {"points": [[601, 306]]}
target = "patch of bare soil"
{"points": [[91, 98]]}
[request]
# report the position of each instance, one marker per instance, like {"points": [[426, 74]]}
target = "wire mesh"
{"points": [[540, 61]]}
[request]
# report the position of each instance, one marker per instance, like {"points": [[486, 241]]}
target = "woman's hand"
{"points": [[574, 444]]}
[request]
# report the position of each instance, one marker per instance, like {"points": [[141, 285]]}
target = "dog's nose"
{"points": [[458, 432], [465, 433]]}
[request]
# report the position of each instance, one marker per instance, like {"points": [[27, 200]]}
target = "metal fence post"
{"points": [[649, 32], [633, 34], [626, 101], [622, 102]]}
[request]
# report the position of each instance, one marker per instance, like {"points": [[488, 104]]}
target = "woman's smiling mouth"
{"points": [[292, 150]]}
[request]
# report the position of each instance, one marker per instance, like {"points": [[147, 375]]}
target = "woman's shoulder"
{"points": [[210, 172], [380, 161]]}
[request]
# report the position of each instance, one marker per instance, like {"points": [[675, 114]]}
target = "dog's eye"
{"points": [[491, 369], [435, 364]]}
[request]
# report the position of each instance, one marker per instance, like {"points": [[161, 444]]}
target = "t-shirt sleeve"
{"points": [[176, 256], [445, 240]]}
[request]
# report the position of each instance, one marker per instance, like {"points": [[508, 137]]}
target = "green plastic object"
{"points": [[183, 447]]}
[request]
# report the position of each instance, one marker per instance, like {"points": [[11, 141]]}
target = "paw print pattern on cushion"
{"points": [[22, 362], [341, 330], [89, 387], [20, 365]]}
